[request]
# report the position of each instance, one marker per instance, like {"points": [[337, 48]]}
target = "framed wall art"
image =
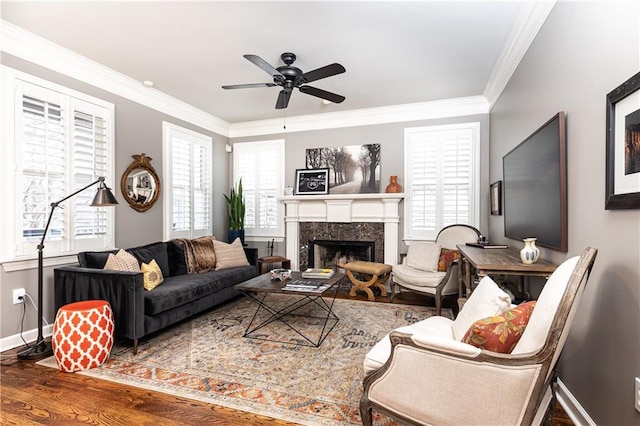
{"points": [[312, 181], [495, 193], [623, 146], [355, 169]]}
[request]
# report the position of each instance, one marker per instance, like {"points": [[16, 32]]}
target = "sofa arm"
{"points": [[252, 256], [123, 290]]}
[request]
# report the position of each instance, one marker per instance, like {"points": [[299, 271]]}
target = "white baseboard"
{"points": [[30, 336], [572, 407]]}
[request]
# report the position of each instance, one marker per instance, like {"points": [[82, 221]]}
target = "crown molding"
{"points": [[33, 48], [364, 117], [531, 18]]}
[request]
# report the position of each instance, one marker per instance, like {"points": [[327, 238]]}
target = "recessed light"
{"points": [[147, 83]]}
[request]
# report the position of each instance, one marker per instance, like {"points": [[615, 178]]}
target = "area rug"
{"points": [[207, 359]]}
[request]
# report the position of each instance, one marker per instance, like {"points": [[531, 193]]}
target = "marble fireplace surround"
{"points": [[356, 209]]}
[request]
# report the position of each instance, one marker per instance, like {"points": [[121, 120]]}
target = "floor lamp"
{"points": [[103, 197]]}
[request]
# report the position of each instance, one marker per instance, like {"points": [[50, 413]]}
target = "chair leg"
{"points": [[438, 305], [365, 411]]}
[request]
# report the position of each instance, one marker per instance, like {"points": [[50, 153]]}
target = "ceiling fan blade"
{"points": [[283, 99], [264, 65], [323, 72], [314, 91], [248, 86]]}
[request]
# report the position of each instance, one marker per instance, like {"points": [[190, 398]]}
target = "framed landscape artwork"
{"points": [[353, 169], [312, 181], [623, 146]]}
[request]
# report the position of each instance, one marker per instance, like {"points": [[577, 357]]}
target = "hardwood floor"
{"points": [[34, 395]]}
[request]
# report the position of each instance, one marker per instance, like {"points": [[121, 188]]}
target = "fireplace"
{"points": [[327, 253]]}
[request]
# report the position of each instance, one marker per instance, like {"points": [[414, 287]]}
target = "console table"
{"points": [[499, 261]]}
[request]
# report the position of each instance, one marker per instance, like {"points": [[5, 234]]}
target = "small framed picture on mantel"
{"points": [[312, 181]]}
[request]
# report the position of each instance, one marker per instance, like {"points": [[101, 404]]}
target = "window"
{"points": [[62, 142], [188, 174], [441, 167], [261, 167]]}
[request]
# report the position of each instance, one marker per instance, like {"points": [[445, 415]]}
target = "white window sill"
{"points": [[24, 264]]}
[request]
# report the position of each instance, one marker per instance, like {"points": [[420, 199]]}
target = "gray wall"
{"points": [[391, 139], [137, 129], [585, 50]]}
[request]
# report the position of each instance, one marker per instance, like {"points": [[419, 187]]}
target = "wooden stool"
{"points": [[375, 273], [268, 260], [83, 335]]}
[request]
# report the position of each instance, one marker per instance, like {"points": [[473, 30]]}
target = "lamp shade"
{"points": [[104, 197]]}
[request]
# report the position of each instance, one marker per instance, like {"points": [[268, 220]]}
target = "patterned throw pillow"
{"points": [[500, 333], [122, 261], [229, 255], [446, 257], [152, 275]]}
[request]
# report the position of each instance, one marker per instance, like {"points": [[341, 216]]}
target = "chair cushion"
{"points": [[435, 326], [424, 256], [487, 300], [446, 257], [404, 274], [500, 333], [229, 255]]}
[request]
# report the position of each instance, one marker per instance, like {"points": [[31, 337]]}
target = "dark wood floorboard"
{"points": [[35, 395]]}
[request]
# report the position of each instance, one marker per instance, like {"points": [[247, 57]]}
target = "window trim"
{"points": [[474, 126], [10, 81]]}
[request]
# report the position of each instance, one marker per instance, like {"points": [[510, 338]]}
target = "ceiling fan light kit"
{"points": [[289, 77]]}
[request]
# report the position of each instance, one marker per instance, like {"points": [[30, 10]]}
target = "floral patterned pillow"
{"points": [[446, 257], [500, 333]]}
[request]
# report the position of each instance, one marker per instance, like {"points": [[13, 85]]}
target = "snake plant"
{"points": [[235, 207]]}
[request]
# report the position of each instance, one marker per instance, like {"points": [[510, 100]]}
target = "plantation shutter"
{"points": [[440, 166], [63, 144], [260, 165], [190, 183]]}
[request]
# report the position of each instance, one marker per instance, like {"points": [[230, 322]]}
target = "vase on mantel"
{"points": [[529, 253], [393, 186]]}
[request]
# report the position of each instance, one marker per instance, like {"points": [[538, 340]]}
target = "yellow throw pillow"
{"points": [[152, 275], [122, 261]]}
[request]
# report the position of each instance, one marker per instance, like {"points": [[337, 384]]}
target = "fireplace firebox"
{"points": [[327, 253]]}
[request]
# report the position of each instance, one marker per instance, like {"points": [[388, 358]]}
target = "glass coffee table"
{"points": [[308, 298]]}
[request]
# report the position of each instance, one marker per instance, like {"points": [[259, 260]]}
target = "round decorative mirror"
{"points": [[140, 184]]}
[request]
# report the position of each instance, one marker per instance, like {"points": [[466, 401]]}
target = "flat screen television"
{"points": [[535, 187]]}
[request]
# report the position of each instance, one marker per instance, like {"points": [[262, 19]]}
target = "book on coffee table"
{"points": [[324, 273], [306, 285]]}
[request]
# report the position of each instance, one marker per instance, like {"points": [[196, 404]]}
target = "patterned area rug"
{"points": [[207, 359]]}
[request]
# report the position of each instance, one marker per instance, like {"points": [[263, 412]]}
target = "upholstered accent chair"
{"points": [[422, 271], [424, 374]]}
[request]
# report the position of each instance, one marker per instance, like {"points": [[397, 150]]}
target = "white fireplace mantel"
{"points": [[344, 208]]}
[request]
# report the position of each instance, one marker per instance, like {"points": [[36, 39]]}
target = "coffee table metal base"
{"points": [[327, 322]]}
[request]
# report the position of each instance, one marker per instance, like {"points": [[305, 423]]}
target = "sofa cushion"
{"points": [[183, 289], [500, 333], [177, 258], [408, 275], [149, 252], [152, 275], [486, 300], [229, 255], [94, 259], [122, 261]]}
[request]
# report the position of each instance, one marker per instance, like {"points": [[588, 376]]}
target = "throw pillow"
{"points": [[486, 300], [204, 255], [229, 255], [152, 275], [122, 261], [424, 256], [446, 257], [500, 333]]}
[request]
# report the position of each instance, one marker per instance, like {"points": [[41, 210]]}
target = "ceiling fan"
{"points": [[288, 77]]}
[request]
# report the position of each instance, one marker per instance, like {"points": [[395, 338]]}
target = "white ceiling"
{"points": [[394, 52]]}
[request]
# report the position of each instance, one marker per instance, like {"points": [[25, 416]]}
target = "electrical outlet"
{"points": [[637, 394], [18, 292]]}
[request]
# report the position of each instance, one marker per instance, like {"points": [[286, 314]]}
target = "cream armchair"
{"points": [[425, 374], [419, 269]]}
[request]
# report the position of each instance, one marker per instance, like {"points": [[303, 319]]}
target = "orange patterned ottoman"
{"points": [[83, 335]]}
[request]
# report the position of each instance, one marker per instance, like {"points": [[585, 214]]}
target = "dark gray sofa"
{"points": [[138, 312]]}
